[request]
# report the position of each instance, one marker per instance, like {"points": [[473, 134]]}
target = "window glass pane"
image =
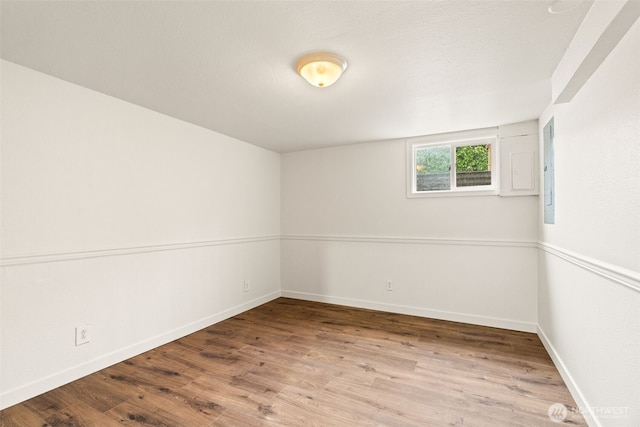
{"points": [[433, 167], [473, 165]]}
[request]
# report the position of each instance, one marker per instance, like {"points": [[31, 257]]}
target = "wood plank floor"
{"points": [[294, 363]]}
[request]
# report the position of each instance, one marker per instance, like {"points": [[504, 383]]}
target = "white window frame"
{"points": [[453, 140]]}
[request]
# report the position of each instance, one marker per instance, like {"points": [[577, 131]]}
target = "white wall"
{"points": [[138, 224], [589, 262], [348, 227]]}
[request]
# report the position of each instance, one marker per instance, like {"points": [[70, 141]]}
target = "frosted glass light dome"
{"points": [[321, 69]]}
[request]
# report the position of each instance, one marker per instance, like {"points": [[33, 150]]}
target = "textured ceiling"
{"points": [[415, 67]]}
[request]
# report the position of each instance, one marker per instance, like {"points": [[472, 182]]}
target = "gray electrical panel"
{"points": [[549, 177]]}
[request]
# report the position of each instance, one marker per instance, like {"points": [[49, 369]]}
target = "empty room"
{"points": [[324, 213]]}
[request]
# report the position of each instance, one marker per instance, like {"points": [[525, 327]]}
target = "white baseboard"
{"points": [[575, 391], [417, 311], [27, 391]]}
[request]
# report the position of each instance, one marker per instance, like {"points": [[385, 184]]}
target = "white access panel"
{"points": [[519, 165], [522, 171]]}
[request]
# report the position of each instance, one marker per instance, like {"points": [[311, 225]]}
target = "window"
{"points": [[446, 165]]}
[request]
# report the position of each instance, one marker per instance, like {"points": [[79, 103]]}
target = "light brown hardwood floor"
{"points": [[295, 363]]}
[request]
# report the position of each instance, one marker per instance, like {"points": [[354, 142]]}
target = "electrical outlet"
{"points": [[83, 334], [389, 285], [246, 286]]}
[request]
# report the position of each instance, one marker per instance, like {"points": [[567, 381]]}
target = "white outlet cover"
{"points": [[83, 334]]}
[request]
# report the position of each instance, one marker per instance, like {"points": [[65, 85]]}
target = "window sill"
{"points": [[456, 193]]}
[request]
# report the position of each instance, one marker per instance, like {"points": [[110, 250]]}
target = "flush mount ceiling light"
{"points": [[321, 69], [562, 6]]}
